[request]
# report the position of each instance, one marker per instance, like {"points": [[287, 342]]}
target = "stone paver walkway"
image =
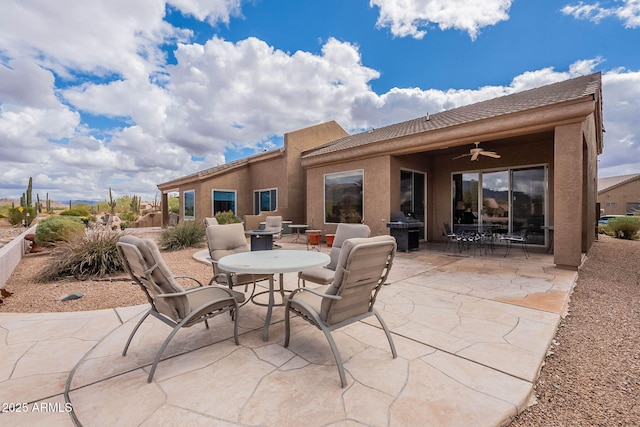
{"points": [[471, 334]]}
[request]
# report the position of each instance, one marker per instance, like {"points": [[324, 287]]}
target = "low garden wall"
{"points": [[11, 254]]}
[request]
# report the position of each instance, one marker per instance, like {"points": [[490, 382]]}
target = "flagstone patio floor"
{"points": [[471, 333]]}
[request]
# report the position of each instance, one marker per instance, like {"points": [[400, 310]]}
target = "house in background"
{"points": [[547, 139], [619, 195], [266, 182]]}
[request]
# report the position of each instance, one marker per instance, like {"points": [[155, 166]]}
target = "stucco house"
{"points": [[543, 173], [619, 195], [273, 181]]}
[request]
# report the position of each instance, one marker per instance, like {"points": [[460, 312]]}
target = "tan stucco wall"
{"points": [[621, 195], [568, 187], [377, 207], [280, 169]]}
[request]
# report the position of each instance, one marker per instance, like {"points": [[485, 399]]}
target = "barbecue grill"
{"points": [[406, 230]]}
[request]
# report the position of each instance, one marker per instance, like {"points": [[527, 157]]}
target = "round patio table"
{"points": [[272, 262]]}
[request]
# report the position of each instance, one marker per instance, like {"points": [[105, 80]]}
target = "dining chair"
{"points": [[273, 223], [324, 275], [227, 239], [363, 267], [170, 302], [520, 237]]}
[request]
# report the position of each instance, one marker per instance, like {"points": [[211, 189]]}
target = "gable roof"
{"points": [[565, 91], [605, 184]]}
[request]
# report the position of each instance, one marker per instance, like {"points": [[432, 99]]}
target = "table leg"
{"points": [[272, 302]]}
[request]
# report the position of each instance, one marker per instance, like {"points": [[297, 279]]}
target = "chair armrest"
{"points": [[192, 290], [313, 291], [190, 278]]}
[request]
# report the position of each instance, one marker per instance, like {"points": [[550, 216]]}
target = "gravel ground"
{"points": [[31, 297], [592, 373]]}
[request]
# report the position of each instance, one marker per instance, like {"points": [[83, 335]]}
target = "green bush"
{"points": [[17, 215], [227, 217], [91, 256], [625, 227], [185, 234], [58, 228], [76, 212]]}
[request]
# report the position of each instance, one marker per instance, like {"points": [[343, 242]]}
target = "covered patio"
{"points": [[471, 333]]}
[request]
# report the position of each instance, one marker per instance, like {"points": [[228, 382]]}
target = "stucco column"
{"points": [[567, 188], [164, 206]]}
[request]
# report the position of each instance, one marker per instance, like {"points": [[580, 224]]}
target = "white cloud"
{"points": [[212, 11], [628, 12], [240, 93], [412, 17], [621, 93], [100, 37], [218, 96]]}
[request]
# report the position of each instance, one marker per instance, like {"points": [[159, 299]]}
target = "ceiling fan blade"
{"points": [[491, 154], [475, 156], [461, 156]]}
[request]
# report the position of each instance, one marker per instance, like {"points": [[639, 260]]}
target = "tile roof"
{"points": [[568, 90], [605, 184]]}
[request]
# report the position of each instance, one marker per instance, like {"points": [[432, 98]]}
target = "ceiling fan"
{"points": [[476, 152]]}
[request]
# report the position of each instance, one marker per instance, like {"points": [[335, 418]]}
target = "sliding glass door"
{"points": [[505, 201], [412, 195]]}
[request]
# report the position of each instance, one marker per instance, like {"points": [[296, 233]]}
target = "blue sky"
{"points": [[109, 93]]}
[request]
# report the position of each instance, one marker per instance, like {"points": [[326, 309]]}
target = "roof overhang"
{"points": [[503, 126]]}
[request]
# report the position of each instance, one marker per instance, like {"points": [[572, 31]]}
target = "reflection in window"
{"points": [[223, 201], [189, 204], [265, 200], [509, 201], [343, 197]]}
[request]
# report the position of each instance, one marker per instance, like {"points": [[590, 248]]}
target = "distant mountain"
{"points": [[16, 202]]}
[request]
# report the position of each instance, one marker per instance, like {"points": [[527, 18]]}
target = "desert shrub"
{"points": [[76, 212], [128, 216], [91, 256], [17, 215], [227, 217], [185, 234], [57, 228], [625, 227]]}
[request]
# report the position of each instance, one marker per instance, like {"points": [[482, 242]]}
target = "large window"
{"points": [[343, 197], [223, 201], [265, 200], [506, 201], [189, 204]]}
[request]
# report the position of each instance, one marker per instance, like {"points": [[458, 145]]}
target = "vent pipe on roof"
{"points": [[427, 118]]}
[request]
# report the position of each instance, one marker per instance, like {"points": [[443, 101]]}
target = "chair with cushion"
{"points": [[224, 240], [170, 302], [210, 220], [362, 269], [324, 275], [274, 224]]}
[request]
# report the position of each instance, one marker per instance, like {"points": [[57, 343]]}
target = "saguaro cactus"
{"points": [[29, 192], [112, 202]]}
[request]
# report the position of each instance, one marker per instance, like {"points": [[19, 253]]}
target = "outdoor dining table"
{"points": [[272, 262]]}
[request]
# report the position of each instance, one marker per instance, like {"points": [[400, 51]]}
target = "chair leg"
{"points": [[387, 333], [142, 319], [287, 326], [524, 249], [162, 349], [336, 355]]}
